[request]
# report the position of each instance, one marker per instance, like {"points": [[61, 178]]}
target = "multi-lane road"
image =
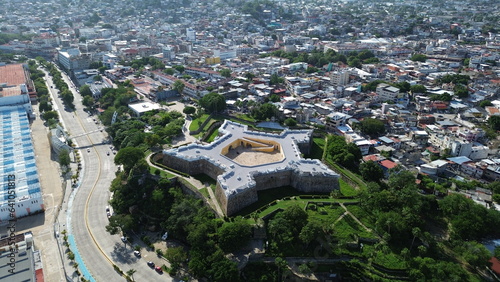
{"points": [[87, 211]]}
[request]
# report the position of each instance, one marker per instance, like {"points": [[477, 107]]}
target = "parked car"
{"points": [[137, 254], [158, 269], [124, 240], [151, 264]]}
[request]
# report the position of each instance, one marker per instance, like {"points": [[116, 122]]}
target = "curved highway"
{"points": [[99, 250]]}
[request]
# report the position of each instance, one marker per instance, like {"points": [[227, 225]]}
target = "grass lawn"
{"points": [[348, 173], [203, 178], [317, 148], [346, 189], [195, 124], [389, 260], [204, 192], [347, 227], [268, 196], [162, 172], [212, 136], [326, 213], [246, 117], [367, 219]]}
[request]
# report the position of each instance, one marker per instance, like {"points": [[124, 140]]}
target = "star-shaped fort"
{"points": [[245, 161]]}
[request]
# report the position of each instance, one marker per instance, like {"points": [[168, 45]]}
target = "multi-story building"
{"points": [[363, 144], [73, 59], [339, 78], [16, 87], [190, 34], [168, 52], [387, 92], [336, 119], [225, 54], [18, 166], [206, 73]]}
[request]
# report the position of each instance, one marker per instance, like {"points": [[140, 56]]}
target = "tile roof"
{"points": [[12, 74]]}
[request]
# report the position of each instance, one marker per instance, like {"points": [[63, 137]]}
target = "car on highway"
{"points": [[158, 269], [137, 254], [151, 264]]}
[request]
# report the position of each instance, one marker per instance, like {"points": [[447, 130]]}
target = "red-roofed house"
{"points": [[387, 165], [495, 265]]}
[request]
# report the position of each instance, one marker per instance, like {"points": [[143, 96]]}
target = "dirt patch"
{"points": [[250, 157]]}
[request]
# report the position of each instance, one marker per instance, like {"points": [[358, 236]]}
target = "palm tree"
{"points": [[416, 233], [131, 272]]}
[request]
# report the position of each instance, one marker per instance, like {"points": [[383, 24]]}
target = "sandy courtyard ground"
{"points": [[246, 156]]}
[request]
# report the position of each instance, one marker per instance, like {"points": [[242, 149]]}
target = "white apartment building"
{"points": [[225, 54], [339, 78], [387, 92]]}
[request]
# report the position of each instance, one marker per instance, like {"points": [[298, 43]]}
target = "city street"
{"points": [[86, 211]]}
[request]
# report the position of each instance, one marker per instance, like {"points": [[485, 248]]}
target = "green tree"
{"points": [[88, 101], [225, 72], [311, 70], [85, 90], [120, 223], [188, 110], [67, 98], [45, 106], [276, 79], [233, 235], [282, 266], [372, 127], [297, 217], [494, 122], [274, 98], [176, 256], [312, 230], [476, 254], [249, 76], [169, 71], [485, 103], [50, 115], [371, 171], [264, 111], [290, 122], [64, 159], [418, 88], [128, 157], [152, 140], [461, 91], [354, 62], [179, 68], [131, 272], [178, 86], [419, 58], [496, 252], [213, 102]]}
